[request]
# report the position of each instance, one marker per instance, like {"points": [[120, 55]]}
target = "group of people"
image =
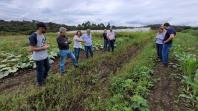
{"points": [[164, 39], [39, 47], [109, 40]]}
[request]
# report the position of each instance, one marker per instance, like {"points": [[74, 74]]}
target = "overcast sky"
{"points": [[117, 12]]}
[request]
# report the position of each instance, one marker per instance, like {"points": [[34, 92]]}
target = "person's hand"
{"points": [[46, 46], [83, 41]]}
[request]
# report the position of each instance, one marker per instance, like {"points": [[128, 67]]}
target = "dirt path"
{"points": [[165, 93]]}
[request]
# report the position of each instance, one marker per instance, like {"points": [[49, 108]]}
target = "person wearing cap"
{"points": [[39, 47], [64, 51], [167, 42], [87, 38], [77, 44], [111, 38], [159, 41]]}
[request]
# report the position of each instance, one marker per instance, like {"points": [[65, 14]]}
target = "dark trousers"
{"points": [[88, 49], [106, 44], [42, 68], [159, 48], [77, 53], [111, 45]]}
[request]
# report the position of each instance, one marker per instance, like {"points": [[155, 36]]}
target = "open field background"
{"points": [[126, 80]]}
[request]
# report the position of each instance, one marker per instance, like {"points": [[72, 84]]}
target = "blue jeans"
{"points": [[42, 69], [165, 53], [77, 53], [159, 48], [106, 42], [111, 45], [64, 54], [88, 49]]}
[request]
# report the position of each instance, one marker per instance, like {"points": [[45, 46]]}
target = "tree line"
{"points": [[27, 27]]}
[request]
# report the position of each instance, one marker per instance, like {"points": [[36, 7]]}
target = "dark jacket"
{"points": [[63, 42], [105, 36]]}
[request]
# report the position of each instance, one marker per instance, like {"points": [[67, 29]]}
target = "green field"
{"points": [[118, 81]]}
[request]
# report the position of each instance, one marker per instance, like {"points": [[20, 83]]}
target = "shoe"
{"points": [[165, 65], [76, 66]]}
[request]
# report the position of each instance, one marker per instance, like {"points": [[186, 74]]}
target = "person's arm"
{"points": [[170, 38], [79, 40], [33, 42], [33, 48]]}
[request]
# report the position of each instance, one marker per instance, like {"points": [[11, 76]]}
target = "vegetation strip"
{"points": [[130, 88], [186, 54]]}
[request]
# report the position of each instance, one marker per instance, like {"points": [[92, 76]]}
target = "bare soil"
{"points": [[164, 96]]}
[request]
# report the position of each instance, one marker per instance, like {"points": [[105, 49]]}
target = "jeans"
{"points": [[111, 45], [106, 42], [77, 53], [64, 54], [88, 49], [165, 53], [159, 48], [42, 69]]}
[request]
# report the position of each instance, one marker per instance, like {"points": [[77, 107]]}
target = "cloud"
{"points": [[118, 12]]}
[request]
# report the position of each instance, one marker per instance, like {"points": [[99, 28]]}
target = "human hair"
{"points": [[79, 32], [166, 24], [41, 24]]}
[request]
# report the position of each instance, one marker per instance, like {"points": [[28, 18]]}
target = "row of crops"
{"points": [[12, 61], [185, 51]]}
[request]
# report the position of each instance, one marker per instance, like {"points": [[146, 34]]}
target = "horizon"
{"points": [[115, 12]]}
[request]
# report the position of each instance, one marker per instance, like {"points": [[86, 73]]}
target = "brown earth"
{"points": [[164, 96]]}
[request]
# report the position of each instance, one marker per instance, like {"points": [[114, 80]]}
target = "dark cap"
{"points": [[41, 24]]}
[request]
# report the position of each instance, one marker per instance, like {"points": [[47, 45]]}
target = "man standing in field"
{"points": [[167, 42], [111, 38], [87, 38], [39, 48], [63, 45], [105, 40]]}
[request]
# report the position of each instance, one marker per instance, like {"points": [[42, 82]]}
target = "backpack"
{"points": [[33, 39]]}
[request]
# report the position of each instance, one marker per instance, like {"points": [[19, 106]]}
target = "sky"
{"points": [[116, 12]]}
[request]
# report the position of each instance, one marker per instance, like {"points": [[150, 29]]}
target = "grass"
{"points": [[130, 88], [73, 91], [185, 51]]}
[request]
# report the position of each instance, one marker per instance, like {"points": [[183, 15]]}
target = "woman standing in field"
{"points": [[77, 44], [159, 41]]}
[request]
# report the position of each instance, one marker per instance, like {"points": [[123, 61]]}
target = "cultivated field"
{"points": [[129, 79]]}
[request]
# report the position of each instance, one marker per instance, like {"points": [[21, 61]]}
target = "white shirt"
{"points": [[77, 44], [111, 35], [160, 37], [43, 54]]}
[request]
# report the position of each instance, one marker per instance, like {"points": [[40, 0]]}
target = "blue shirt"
{"points": [[88, 39], [170, 31]]}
